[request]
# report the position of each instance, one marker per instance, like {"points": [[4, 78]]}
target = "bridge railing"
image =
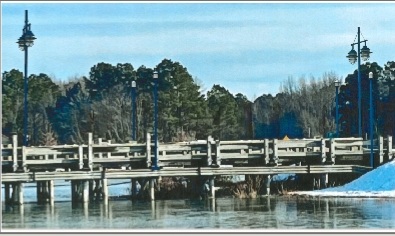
{"points": [[195, 153]]}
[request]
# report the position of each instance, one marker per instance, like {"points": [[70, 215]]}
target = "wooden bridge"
{"points": [[89, 166]]}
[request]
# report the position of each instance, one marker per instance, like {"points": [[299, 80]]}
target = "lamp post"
{"points": [[371, 117], [337, 84], [155, 164], [352, 57], [24, 42], [133, 110]]}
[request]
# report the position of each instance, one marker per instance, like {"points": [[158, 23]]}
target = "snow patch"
{"points": [[379, 182]]}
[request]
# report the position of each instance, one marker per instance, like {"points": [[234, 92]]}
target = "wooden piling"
{"points": [[91, 189], [105, 190], [212, 187], [20, 193], [7, 192], [51, 188], [267, 180], [85, 191], [152, 189]]}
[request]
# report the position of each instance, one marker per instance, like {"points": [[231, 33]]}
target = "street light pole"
{"points": [[371, 117], [133, 110], [352, 57], [24, 42], [155, 164], [337, 84]]}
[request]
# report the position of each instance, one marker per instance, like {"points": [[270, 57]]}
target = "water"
{"points": [[267, 213]]}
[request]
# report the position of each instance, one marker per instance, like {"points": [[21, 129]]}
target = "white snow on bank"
{"points": [[379, 182]]}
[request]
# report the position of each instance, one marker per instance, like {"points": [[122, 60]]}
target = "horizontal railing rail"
{"points": [[133, 155]]}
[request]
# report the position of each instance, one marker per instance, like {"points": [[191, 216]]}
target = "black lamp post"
{"points": [[24, 42], [352, 57], [337, 85], [155, 164], [134, 110], [371, 117]]}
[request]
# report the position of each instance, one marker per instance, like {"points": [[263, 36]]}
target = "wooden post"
{"points": [[148, 150], [209, 151], [152, 188], [324, 177], [90, 151], [15, 152], [218, 152], [109, 153], [212, 187], [275, 152], [81, 156], [100, 141], [381, 150], [323, 151], [332, 151], [24, 159], [51, 189], [266, 151], [389, 147]]}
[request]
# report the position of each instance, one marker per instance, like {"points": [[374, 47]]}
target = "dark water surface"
{"points": [[267, 213]]}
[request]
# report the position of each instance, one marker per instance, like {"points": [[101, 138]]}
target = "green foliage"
{"points": [[64, 113]]}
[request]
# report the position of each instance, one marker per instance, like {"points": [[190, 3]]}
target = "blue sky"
{"points": [[248, 48]]}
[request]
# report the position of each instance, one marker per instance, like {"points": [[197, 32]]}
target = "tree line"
{"points": [[64, 112]]}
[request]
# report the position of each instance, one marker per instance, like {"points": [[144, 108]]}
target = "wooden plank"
{"points": [[297, 144], [234, 147], [347, 152], [174, 147]]}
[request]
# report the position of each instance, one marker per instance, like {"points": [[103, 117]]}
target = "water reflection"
{"points": [[224, 213]]}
